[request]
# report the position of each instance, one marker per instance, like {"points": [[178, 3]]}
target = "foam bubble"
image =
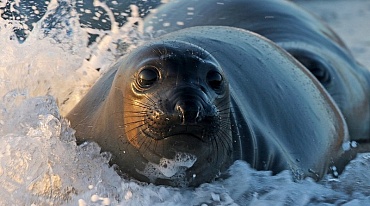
{"points": [[173, 169]]}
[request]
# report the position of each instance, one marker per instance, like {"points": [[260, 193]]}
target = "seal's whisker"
{"points": [[136, 102], [135, 138], [223, 104], [134, 116], [226, 136], [225, 125], [224, 115], [126, 132], [228, 127], [156, 144], [128, 123], [150, 99], [219, 140], [139, 104], [135, 112], [224, 121], [217, 149], [143, 141], [224, 111], [211, 148], [147, 141]]}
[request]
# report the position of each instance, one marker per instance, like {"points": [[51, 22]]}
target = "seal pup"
{"points": [[300, 33], [180, 109]]}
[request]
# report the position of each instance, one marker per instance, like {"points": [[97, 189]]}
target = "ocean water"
{"points": [[45, 75]]}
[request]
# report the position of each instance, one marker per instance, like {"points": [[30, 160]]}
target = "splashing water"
{"points": [[43, 77]]}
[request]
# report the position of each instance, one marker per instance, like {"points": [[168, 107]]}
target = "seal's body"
{"points": [[181, 108], [305, 37]]}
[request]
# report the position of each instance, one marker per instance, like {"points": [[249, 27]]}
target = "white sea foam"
{"points": [[40, 163], [171, 169]]}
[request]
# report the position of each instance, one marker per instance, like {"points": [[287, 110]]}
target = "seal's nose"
{"points": [[190, 111]]}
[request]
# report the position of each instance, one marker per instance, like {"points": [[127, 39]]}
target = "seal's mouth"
{"points": [[187, 135], [172, 135]]}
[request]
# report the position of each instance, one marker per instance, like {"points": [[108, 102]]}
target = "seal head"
{"points": [[177, 106]]}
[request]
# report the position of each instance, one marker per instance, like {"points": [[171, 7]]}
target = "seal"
{"points": [[304, 36], [180, 109]]}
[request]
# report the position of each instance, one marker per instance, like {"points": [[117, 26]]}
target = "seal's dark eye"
{"points": [[321, 74], [317, 66], [147, 77], [214, 80]]}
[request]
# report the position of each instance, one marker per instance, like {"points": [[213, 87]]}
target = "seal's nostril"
{"points": [[189, 111], [198, 118], [181, 112]]}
